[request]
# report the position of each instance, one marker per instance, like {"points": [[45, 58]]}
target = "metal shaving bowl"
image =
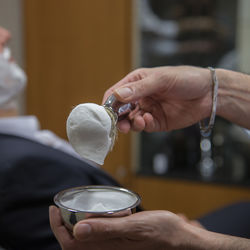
{"points": [[79, 203]]}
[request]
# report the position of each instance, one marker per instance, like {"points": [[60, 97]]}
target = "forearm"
{"points": [[234, 97], [226, 242], [201, 239]]}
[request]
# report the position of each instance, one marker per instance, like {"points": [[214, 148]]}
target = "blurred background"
{"points": [[73, 51]]}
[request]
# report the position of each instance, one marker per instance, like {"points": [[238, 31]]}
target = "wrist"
{"points": [[195, 238], [233, 97], [223, 91], [189, 237], [207, 102]]}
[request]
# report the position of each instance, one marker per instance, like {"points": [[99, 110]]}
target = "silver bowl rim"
{"points": [[121, 189]]}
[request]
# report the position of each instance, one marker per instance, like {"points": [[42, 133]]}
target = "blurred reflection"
{"points": [[186, 32], [200, 33]]}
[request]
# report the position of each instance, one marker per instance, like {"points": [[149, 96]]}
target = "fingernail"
{"points": [[83, 230], [124, 92]]}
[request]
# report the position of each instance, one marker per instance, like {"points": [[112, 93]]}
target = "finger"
{"points": [[134, 122], [110, 91], [101, 229], [138, 123], [124, 126], [133, 76], [136, 111], [150, 123], [60, 231], [136, 90]]}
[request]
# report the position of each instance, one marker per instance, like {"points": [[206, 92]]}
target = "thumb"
{"points": [[136, 90], [100, 229]]}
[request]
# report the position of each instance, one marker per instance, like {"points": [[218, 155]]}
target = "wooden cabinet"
{"points": [[75, 50], [188, 197]]}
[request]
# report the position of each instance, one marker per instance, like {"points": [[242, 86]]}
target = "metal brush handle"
{"points": [[119, 108]]}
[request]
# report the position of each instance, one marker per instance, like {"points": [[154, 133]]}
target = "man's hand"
{"points": [[167, 97], [150, 230]]}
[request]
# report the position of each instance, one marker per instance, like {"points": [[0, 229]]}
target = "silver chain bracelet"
{"points": [[206, 130]]}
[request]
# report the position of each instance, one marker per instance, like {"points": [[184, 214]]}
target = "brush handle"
{"points": [[121, 109]]}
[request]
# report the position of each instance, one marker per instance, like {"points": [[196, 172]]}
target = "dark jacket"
{"points": [[30, 175]]}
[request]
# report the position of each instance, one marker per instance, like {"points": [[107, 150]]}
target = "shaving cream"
{"points": [[88, 130], [99, 201]]}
